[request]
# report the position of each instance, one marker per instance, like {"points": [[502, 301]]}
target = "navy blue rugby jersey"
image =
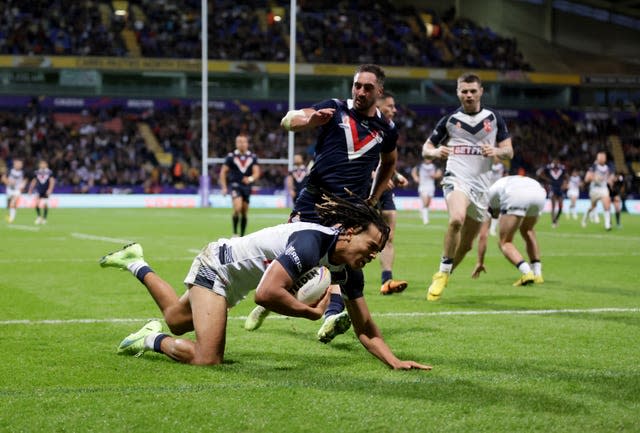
{"points": [[43, 179], [555, 175], [240, 165], [348, 149]]}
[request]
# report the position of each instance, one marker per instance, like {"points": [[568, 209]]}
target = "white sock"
{"points": [[425, 215], [524, 267], [585, 217], [134, 267], [537, 268], [607, 220], [446, 267], [12, 213], [150, 339]]}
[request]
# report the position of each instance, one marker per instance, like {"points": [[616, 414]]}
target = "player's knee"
{"points": [[456, 222], [201, 358]]}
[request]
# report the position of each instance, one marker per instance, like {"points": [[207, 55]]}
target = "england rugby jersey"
{"points": [[16, 181], [241, 262], [240, 165], [348, 149], [465, 134], [426, 175], [601, 174]]}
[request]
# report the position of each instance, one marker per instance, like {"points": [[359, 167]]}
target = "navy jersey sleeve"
{"points": [[228, 160], [327, 103], [440, 134], [503, 131], [304, 250], [353, 287], [390, 141]]}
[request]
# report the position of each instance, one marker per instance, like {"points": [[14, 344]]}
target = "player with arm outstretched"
{"points": [[353, 140], [269, 260]]}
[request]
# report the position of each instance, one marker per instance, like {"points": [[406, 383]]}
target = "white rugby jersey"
{"points": [[574, 183], [497, 171], [17, 181], [465, 134], [426, 174], [601, 174], [240, 262]]}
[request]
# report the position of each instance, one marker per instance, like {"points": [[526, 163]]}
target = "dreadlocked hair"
{"points": [[356, 214]]}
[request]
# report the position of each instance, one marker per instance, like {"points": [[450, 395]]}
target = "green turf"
{"points": [[494, 370]]}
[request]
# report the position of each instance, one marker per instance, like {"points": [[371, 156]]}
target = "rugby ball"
{"points": [[310, 287]]}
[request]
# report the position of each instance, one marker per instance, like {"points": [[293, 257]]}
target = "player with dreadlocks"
{"points": [[270, 260]]}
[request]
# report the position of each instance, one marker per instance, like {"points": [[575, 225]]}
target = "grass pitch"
{"points": [[559, 357]]}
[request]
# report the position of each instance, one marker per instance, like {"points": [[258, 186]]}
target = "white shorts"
{"points": [[573, 193], [598, 193], [13, 193], [426, 190], [478, 200], [203, 274], [526, 203]]}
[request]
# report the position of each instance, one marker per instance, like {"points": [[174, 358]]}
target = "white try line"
{"points": [[24, 228], [100, 238], [408, 314]]}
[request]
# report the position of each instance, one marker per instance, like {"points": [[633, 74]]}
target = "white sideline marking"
{"points": [[100, 238], [409, 314], [22, 227]]}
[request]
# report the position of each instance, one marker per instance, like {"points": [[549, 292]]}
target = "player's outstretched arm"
{"points": [[371, 338], [307, 118]]}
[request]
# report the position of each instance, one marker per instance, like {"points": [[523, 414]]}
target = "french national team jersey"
{"points": [[43, 180], [348, 149], [555, 174], [465, 134], [240, 165], [240, 262], [299, 175]]}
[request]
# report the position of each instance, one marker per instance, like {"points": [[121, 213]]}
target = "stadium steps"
{"points": [[105, 14], [164, 158], [131, 42], [615, 146]]}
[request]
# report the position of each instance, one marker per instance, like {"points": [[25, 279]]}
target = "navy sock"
{"points": [[157, 342], [386, 276], [243, 225], [141, 272], [235, 224], [336, 305]]}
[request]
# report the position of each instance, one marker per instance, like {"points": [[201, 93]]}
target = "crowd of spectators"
{"points": [[88, 156], [344, 32]]}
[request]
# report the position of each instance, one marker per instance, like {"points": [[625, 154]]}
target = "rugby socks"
{"points": [[37, 211], [425, 215], [536, 265], [46, 211], [336, 305], [446, 265], [12, 215], [235, 220], [386, 276], [139, 269], [617, 218], [243, 225], [154, 341], [607, 220], [524, 267]]}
